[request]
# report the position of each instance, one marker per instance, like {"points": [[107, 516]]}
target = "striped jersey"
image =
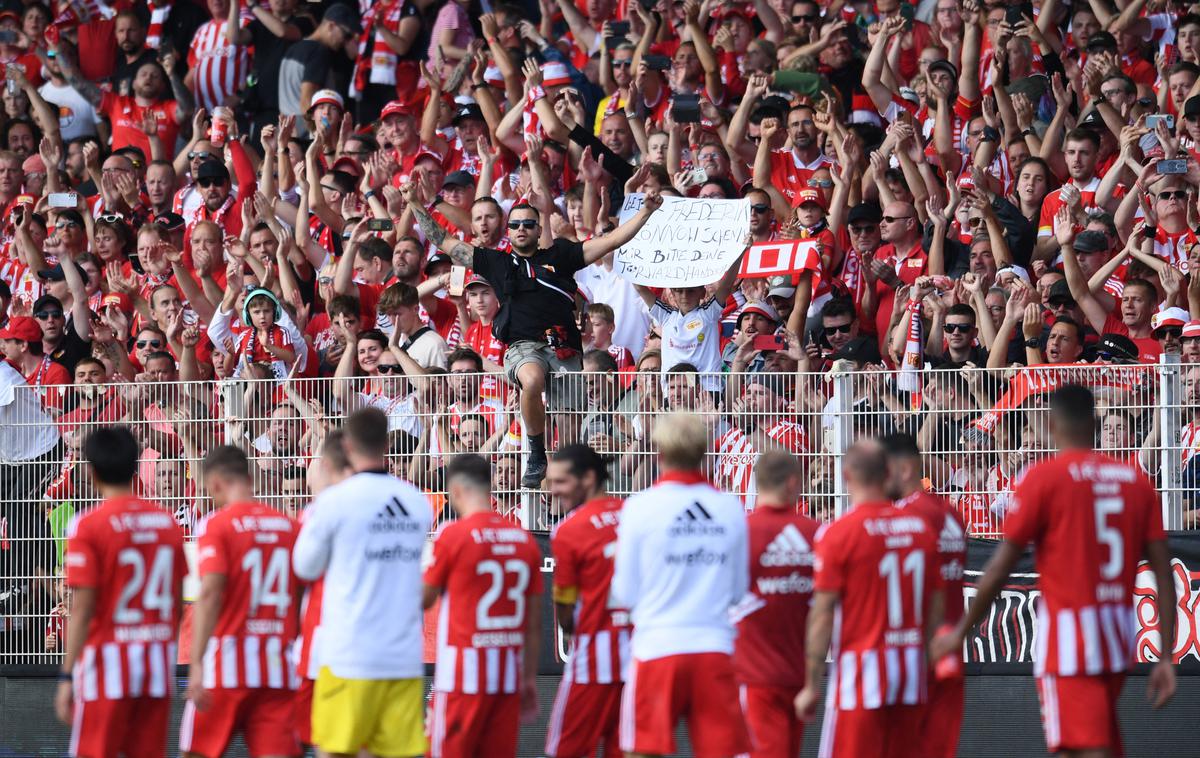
{"points": [[251, 545], [487, 568], [219, 68], [1089, 518], [882, 563], [584, 544], [130, 551], [737, 454]]}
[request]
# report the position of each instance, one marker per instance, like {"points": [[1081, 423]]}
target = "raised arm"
{"points": [[460, 252], [598, 247], [1064, 233]]}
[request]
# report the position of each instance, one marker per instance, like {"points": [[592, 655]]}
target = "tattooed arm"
{"points": [[460, 252]]}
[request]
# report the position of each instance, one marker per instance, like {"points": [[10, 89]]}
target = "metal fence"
{"points": [[977, 428]]}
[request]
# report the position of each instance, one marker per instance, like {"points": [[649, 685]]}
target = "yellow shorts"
{"points": [[386, 716]]}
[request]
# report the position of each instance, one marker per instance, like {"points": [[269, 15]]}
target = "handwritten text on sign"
{"points": [[688, 242]]}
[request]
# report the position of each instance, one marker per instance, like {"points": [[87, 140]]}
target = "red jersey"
{"points": [[488, 568], [251, 544], [130, 551], [1089, 518], [479, 338], [737, 454], [772, 619], [1052, 202], [791, 174], [909, 265], [945, 522], [126, 117], [584, 544], [882, 563]]}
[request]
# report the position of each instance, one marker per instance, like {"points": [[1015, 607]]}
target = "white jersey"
{"points": [[693, 337], [366, 536], [682, 562]]}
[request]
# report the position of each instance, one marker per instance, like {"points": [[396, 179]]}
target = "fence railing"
{"points": [[978, 429]]}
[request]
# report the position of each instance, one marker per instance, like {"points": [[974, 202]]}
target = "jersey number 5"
{"points": [[1109, 536], [153, 586], [893, 570], [514, 575]]}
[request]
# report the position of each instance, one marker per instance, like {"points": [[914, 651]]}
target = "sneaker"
{"points": [[535, 472]]}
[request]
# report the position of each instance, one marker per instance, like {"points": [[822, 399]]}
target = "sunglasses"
{"points": [[111, 218], [194, 154], [894, 219], [210, 182], [527, 223], [863, 229], [43, 315], [149, 343], [330, 189], [1176, 195], [760, 208], [1168, 331], [812, 19], [822, 183], [324, 280], [390, 368], [839, 329], [622, 64], [60, 225], [957, 328]]}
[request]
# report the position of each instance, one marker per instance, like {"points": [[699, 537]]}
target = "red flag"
{"points": [[780, 258]]}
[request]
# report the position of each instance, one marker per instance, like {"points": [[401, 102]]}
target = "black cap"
{"points": [[869, 212], [344, 16], [1059, 292], [1093, 120], [459, 179], [47, 301], [1091, 242], [170, 221], [1191, 106], [1101, 41], [946, 66], [467, 110], [860, 350], [435, 259], [56, 274], [1118, 348], [212, 170]]}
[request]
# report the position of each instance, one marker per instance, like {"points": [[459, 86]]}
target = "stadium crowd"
{"points": [[413, 206]]}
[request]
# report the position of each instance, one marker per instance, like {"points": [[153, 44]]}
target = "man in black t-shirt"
{"points": [[536, 289]]}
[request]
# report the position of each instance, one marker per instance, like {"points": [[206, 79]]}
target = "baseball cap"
{"points": [[1117, 348], [766, 310], [435, 259], [327, 96], [459, 179], [56, 273], [212, 170], [555, 74], [944, 65], [1060, 292], [427, 153], [810, 196], [1101, 41], [1017, 271], [24, 328], [787, 293], [467, 110], [911, 95], [1169, 317], [348, 165], [170, 221], [34, 165], [474, 279], [1191, 106], [492, 76], [864, 212], [395, 108], [123, 302], [859, 350], [1191, 329], [344, 16], [1093, 119], [47, 301], [1091, 242]]}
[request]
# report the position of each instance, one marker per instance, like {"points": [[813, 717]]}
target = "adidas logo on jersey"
{"points": [[694, 520], [789, 548], [392, 518], [951, 539]]}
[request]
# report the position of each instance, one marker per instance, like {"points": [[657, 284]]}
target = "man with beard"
{"points": [[148, 99], [901, 260], [132, 51], [221, 204], [1081, 151], [791, 169], [537, 316]]}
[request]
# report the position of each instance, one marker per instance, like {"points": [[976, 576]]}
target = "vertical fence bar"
{"points": [[1171, 462], [843, 401]]}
